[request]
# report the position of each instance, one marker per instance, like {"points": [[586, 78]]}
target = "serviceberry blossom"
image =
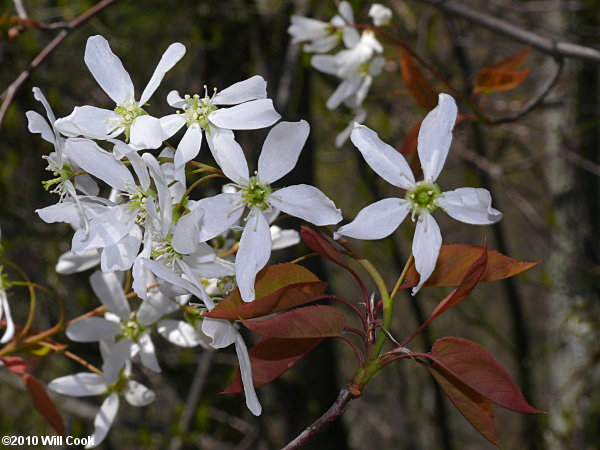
{"points": [[380, 14], [321, 37], [249, 109], [380, 219], [279, 155], [85, 384], [141, 130]]}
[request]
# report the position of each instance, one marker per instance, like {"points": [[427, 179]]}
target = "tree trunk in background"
{"points": [[573, 266]]}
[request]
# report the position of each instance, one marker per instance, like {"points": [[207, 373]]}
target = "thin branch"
{"points": [[9, 94], [334, 412], [542, 43]]}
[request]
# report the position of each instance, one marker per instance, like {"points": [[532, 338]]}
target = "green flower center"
{"points": [[163, 251], [137, 200], [131, 329], [129, 111], [57, 185], [256, 194], [197, 109], [119, 385], [423, 197]]}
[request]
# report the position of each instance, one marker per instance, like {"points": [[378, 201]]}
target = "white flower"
{"points": [[141, 129], [376, 221], [252, 110], [380, 14], [85, 384], [279, 155], [320, 37]]}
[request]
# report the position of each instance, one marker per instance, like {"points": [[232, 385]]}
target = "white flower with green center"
{"points": [[85, 384], [376, 221], [142, 130], [320, 37], [249, 109], [279, 155]]}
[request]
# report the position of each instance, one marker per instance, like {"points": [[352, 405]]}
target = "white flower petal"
{"points": [[188, 149], [90, 122], [178, 332], [247, 116], [228, 154], [426, 247], [9, 332], [435, 137], [100, 163], [106, 229], [308, 203], [108, 69], [325, 63], [470, 205], [254, 252], [146, 133], [171, 124], [220, 331], [139, 166], [283, 238], [92, 329], [104, 419], [108, 289], [187, 230], [281, 150], [171, 56], [377, 220], [118, 355], [61, 212], [220, 212], [40, 97], [246, 371], [137, 394], [69, 263], [37, 124], [79, 385], [388, 163], [147, 353], [345, 90], [122, 254], [168, 275], [154, 307], [341, 138], [253, 88]]}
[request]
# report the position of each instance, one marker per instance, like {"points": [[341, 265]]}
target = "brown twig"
{"points": [[9, 94], [542, 43], [334, 412]]}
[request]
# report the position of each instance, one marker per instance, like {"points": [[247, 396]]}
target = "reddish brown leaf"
{"points": [[419, 87], [321, 246], [272, 357], [309, 322], [454, 262], [503, 75], [476, 368], [287, 297], [43, 403], [14, 364], [277, 287], [473, 406]]}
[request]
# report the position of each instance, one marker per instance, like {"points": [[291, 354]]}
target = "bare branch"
{"points": [[9, 94], [542, 43]]}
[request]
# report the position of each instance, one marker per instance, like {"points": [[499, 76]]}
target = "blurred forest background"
{"points": [[543, 171]]}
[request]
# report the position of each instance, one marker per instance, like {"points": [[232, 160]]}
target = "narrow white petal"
{"points": [[79, 385], [175, 100], [246, 116], [118, 355], [147, 353], [100, 163], [470, 205], [40, 97], [108, 289], [253, 88], [154, 307], [139, 167], [61, 212], [284, 238], [37, 124], [171, 56], [187, 230], [178, 333], [254, 252], [220, 331], [220, 213], [377, 220], [168, 275], [435, 137], [90, 122], [426, 248], [387, 162], [344, 91], [171, 124], [325, 63], [146, 133], [308, 203], [228, 154], [188, 149], [92, 329], [69, 263], [246, 371], [9, 332], [281, 150], [106, 229], [137, 394], [122, 254], [108, 69], [104, 419]]}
